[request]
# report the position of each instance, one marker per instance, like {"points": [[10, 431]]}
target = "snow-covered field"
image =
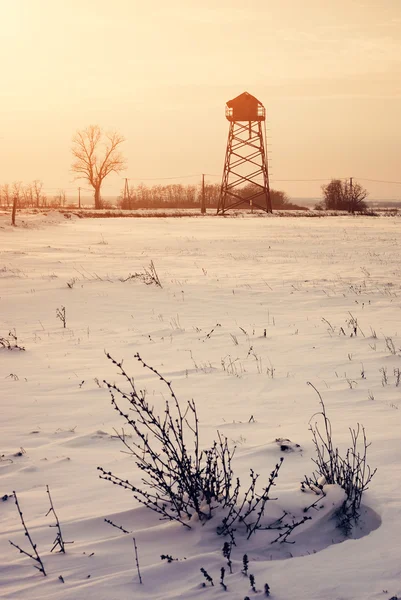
{"points": [[225, 282]]}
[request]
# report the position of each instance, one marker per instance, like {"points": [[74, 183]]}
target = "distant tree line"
{"points": [[19, 195], [29, 195], [162, 196], [189, 196], [279, 199]]}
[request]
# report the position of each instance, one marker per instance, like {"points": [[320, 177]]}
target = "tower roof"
{"points": [[245, 107], [244, 98]]}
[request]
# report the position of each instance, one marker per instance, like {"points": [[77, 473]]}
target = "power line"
{"points": [[69, 189], [273, 179], [163, 178], [215, 175], [309, 180], [378, 180], [48, 189]]}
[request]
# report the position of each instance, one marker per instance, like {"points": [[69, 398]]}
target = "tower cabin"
{"points": [[245, 107]]}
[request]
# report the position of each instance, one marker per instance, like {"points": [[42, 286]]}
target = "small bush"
{"points": [[351, 472], [179, 479], [148, 275], [10, 342]]}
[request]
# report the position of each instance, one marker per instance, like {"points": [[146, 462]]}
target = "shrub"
{"points": [[11, 342], [351, 472], [148, 276], [179, 480]]}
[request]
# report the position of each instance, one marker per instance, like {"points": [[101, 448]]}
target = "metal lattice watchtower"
{"points": [[245, 178]]}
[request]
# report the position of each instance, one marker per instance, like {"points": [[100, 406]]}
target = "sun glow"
{"points": [[10, 18], [161, 73]]}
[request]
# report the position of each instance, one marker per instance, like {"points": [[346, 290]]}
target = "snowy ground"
{"points": [[300, 279]]}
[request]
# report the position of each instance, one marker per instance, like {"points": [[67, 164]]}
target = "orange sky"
{"points": [[328, 73]]}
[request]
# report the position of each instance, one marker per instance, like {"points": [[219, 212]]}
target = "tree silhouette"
{"points": [[356, 195], [342, 195], [96, 155]]}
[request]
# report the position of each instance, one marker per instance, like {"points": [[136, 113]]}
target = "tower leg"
{"points": [[221, 207], [245, 178]]}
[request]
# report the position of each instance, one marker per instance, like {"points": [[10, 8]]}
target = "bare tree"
{"points": [[356, 195], [26, 195], [6, 196], [61, 197], [342, 195], [212, 194], [37, 192], [58, 199], [96, 155], [334, 197]]}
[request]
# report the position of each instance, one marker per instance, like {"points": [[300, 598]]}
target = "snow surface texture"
{"points": [[297, 278]]}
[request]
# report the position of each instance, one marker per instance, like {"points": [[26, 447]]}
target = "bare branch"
{"points": [[34, 555]]}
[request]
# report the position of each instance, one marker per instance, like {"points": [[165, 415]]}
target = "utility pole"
{"points": [[126, 194], [79, 197], [203, 200], [351, 199]]}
